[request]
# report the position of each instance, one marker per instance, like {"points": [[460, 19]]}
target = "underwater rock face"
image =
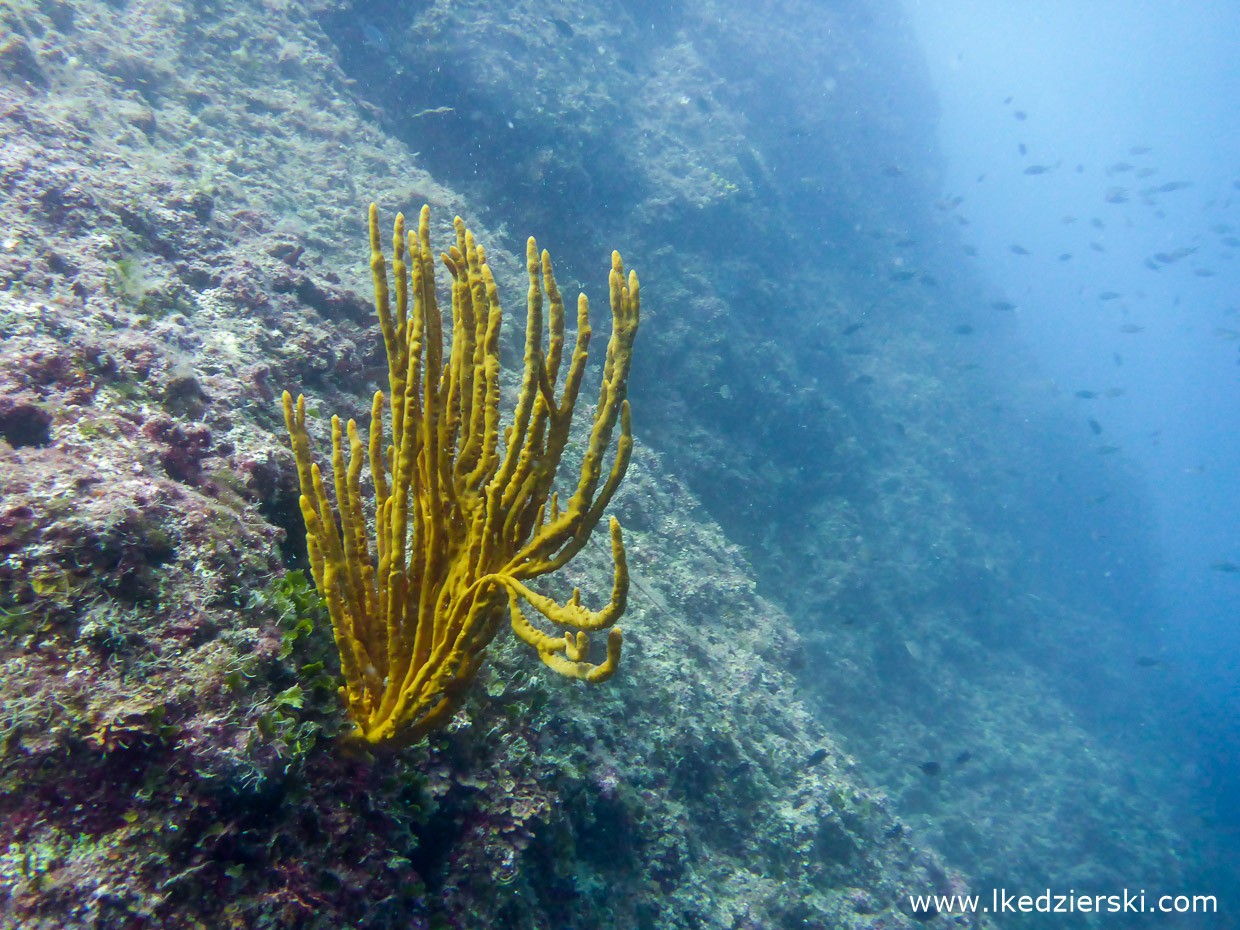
{"points": [[175, 234]]}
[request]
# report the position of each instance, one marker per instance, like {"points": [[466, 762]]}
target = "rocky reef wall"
{"points": [[184, 199]]}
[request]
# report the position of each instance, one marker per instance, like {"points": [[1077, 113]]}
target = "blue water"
{"points": [[1097, 83]]}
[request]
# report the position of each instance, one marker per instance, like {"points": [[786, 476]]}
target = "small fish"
{"points": [[1231, 241], [1097, 223], [1221, 229], [1119, 359], [1087, 395], [1139, 150], [1149, 662], [1038, 169], [818, 755], [904, 243], [1113, 392], [1097, 246], [1095, 426], [1131, 328], [931, 769], [373, 36], [1066, 257], [1107, 450], [1116, 195], [1175, 255], [929, 280], [1109, 295], [863, 379], [951, 204], [1225, 334], [1023, 149], [1067, 220], [1203, 272], [893, 171], [1021, 115], [737, 771], [1120, 167], [852, 328], [1146, 172], [964, 329], [1020, 250], [1008, 100], [1003, 305], [1229, 567], [1173, 186], [970, 250], [903, 275], [1151, 264], [963, 757]]}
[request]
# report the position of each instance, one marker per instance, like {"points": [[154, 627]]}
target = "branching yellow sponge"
{"points": [[463, 518]]}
